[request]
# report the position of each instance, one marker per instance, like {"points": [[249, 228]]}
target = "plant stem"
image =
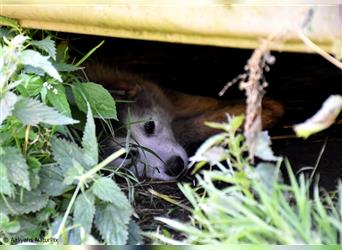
{"points": [[27, 134], [67, 212], [82, 180], [7, 204], [102, 164], [319, 50], [89, 53]]}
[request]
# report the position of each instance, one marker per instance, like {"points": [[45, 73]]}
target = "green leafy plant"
{"points": [[239, 203], [52, 183]]}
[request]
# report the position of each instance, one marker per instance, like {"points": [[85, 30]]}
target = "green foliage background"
{"points": [[52, 183]]}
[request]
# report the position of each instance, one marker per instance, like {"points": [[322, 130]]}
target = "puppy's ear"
{"points": [[120, 85]]}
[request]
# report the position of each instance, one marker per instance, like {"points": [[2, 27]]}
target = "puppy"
{"points": [[160, 124]]}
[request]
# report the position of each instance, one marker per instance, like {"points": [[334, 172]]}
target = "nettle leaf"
{"points": [[73, 172], [32, 84], [17, 168], [89, 140], [8, 226], [5, 137], [134, 237], [66, 153], [55, 226], [6, 32], [84, 211], [29, 228], [7, 103], [112, 224], [267, 174], [5, 185], [206, 146], [32, 112], [51, 180], [44, 214], [263, 149], [64, 67], [28, 69], [59, 100], [34, 169], [99, 99], [47, 45], [107, 190], [35, 59], [62, 52], [5, 21], [31, 201]]}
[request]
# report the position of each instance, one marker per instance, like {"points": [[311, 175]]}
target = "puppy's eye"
{"points": [[149, 127]]}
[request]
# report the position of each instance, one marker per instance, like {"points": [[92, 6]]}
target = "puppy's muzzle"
{"points": [[175, 166]]}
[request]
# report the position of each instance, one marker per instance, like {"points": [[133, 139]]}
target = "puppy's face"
{"points": [[146, 125], [154, 151]]}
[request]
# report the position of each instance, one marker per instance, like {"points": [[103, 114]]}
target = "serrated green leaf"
{"points": [[206, 146], [107, 190], [263, 147], [73, 172], [35, 59], [17, 168], [84, 211], [32, 201], [65, 152], [43, 93], [32, 112], [89, 140], [28, 69], [101, 102], [29, 228], [62, 52], [47, 45], [32, 84], [5, 21], [56, 224], [8, 226], [34, 169], [134, 233], [64, 67], [7, 103], [5, 185], [4, 138], [267, 174], [112, 224], [6, 32], [22, 91], [44, 214], [51, 180], [11, 227], [59, 100], [3, 218]]}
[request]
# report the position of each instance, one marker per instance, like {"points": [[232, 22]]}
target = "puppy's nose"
{"points": [[174, 166]]}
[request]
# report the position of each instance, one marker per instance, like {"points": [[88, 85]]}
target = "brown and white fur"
{"points": [[163, 123]]}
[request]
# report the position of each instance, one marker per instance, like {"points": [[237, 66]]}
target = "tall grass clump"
{"points": [[238, 203]]}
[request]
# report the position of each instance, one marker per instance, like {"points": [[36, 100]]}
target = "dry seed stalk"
{"points": [[253, 82]]}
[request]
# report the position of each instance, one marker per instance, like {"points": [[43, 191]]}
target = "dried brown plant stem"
{"points": [[319, 50], [253, 84], [254, 93]]}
